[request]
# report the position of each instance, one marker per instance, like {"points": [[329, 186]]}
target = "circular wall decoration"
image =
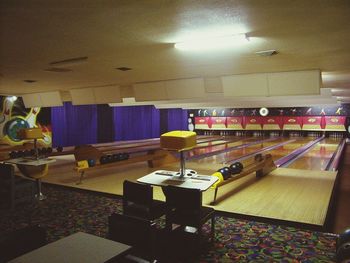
{"points": [[263, 111]]}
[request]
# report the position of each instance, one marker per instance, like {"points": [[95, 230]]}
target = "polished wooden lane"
{"points": [[291, 195], [318, 157]]}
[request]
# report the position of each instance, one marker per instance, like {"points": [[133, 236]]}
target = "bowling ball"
{"points": [[125, 156], [103, 159], [17, 154], [27, 153], [49, 150], [43, 151], [258, 157], [21, 153], [12, 154], [344, 237], [91, 162], [110, 158], [343, 253], [240, 165], [235, 169], [32, 152], [59, 149], [220, 179], [117, 157], [225, 172]]}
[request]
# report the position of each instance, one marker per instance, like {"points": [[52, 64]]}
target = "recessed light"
{"points": [[123, 68], [267, 53]]}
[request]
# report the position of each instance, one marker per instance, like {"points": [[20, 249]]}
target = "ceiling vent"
{"points": [[267, 53], [123, 68], [58, 70], [69, 61], [30, 80]]}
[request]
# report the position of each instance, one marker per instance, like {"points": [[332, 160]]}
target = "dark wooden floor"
{"points": [[341, 218]]}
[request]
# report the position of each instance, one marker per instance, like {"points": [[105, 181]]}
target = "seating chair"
{"points": [[14, 189], [136, 232], [21, 241], [138, 201], [184, 208]]}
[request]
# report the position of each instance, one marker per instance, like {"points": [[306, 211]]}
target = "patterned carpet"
{"points": [[67, 211]]}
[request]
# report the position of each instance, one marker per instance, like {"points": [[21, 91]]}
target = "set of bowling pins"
{"points": [[335, 135], [225, 133], [274, 134], [258, 134], [208, 132], [239, 133], [295, 134], [314, 134]]}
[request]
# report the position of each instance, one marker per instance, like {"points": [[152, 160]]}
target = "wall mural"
{"points": [[14, 116], [341, 110]]}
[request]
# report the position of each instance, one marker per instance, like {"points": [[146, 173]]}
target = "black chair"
{"points": [[184, 208], [18, 242], [14, 189], [138, 201], [136, 232]]}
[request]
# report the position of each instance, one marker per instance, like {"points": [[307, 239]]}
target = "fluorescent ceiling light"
{"points": [[227, 41]]}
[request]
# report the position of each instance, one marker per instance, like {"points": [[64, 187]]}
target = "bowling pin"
{"points": [[190, 125], [31, 117], [5, 115]]}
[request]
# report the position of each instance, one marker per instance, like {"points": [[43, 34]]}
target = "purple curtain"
{"points": [[74, 125], [177, 119], [136, 122]]}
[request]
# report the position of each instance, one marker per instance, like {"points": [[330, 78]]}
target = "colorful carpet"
{"points": [[67, 211]]}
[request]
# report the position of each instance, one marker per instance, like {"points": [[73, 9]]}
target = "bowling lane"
{"points": [[276, 153], [317, 157], [233, 141]]}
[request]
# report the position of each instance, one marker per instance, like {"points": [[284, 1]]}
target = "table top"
{"points": [[79, 247], [31, 162], [164, 178]]}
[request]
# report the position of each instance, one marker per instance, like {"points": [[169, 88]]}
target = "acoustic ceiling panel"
{"points": [[44, 99], [82, 96], [109, 94], [151, 91], [185, 89], [51, 99], [294, 83], [245, 85]]}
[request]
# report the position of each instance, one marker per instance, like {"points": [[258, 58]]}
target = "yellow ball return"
{"points": [[179, 141]]}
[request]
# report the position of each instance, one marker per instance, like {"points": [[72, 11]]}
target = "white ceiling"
{"points": [[140, 34]]}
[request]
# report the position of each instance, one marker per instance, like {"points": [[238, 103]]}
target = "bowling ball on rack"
{"points": [[125, 156], [343, 253], [258, 157], [49, 150], [43, 151], [12, 155], [27, 153], [344, 237], [240, 165], [225, 171], [116, 157], [235, 169], [110, 158], [59, 149], [32, 152], [91, 162], [220, 179], [103, 159]]}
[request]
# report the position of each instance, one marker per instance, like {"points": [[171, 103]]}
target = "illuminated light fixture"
{"points": [[221, 42]]}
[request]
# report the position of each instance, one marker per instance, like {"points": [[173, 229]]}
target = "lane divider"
{"points": [[265, 149], [204, 155], [334, 161], [288, 159]]}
